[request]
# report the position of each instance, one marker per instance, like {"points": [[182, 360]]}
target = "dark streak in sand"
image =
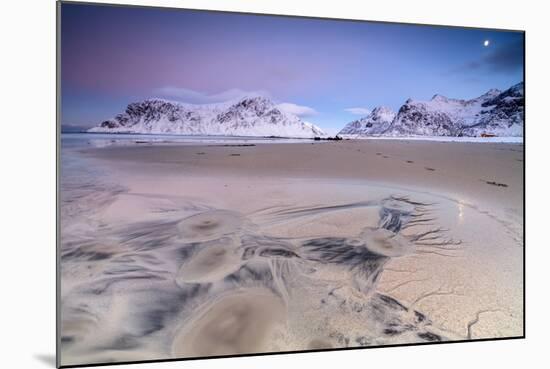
{"points": [[430, 337], [235, 145], [497, 184]]}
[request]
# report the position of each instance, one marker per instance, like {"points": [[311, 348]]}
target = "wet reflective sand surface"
{"points": [[166, 257]]}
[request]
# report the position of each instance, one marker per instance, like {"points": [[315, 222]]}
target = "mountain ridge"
{"points": [[248, 116], [495, 113]]}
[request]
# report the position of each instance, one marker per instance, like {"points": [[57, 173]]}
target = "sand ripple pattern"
{"points": [[198, 281]]}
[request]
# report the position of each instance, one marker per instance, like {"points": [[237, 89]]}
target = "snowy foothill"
{"points": [[513, 139]]}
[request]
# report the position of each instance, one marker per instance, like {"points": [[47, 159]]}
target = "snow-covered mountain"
{"points": [[502, 115], [498, 113], [375, 123], [250, 116]]}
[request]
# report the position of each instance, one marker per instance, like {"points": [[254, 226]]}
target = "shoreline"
{"points": [[176, 137], [507, 140]]}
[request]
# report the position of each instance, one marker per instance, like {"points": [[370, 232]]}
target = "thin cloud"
{"points": [[298, 110], [358, 111], [197, 97], [504, 59]]}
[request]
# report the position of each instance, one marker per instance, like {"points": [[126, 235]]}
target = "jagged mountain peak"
{"points": [[379, 110], [374, 123], [438, 97], [254, 100], [492, 92], [258, 104], [518, 87], [381, 114]]}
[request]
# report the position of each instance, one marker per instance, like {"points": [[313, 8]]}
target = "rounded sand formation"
{"points": [[239, 323], [387, 243], [209, 225], [214, 261]]}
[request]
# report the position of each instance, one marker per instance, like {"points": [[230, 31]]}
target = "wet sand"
{"points": [[461, 169], [188, 250]]}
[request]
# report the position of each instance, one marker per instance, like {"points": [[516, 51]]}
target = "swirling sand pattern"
{"points": [[211, 283]]}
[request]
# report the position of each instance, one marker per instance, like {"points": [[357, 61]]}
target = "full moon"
{"points": [[486, 43]]}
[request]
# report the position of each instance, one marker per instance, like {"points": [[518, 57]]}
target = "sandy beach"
{"points": [[172, 250]]}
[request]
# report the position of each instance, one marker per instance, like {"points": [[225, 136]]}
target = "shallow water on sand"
{"points": [[149, 273]]}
